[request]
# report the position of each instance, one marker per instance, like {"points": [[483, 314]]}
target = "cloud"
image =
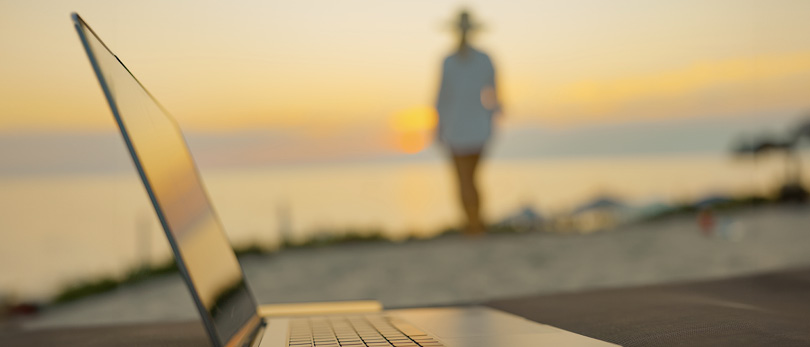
{"points": [[717, 86]]}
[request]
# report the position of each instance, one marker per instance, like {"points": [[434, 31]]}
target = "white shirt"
{"points": [[468, 83]]}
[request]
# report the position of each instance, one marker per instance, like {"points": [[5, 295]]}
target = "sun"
{"points": [[413, 128]]}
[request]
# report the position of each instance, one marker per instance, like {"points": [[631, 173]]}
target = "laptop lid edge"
{"points": [[252, 325]]}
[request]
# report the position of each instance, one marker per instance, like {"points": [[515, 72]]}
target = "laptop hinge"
{"points": [[246, 333], [257, 338]]}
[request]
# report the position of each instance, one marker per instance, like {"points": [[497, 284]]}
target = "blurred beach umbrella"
{"points": [[525, 219], [772, 146], [712, 200], [650, 209], [602, 213], [764, 145], [600, 203], [792, 189]]}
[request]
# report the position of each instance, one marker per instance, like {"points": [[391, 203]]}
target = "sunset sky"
{"points": [[314, 69]]}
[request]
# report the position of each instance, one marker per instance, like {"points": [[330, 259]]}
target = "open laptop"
{"points": [[215, 279]]}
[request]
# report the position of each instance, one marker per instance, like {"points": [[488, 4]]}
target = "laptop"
{"points": [[215, 278]]}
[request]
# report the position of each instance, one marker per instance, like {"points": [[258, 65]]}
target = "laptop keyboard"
{"points": [[357, 331]]}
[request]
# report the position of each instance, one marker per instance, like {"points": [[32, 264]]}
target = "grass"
{"points": [[97, 286], [105, 284], [87, 288], [331, 238]]}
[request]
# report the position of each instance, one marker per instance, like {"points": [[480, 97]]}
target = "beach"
{"points": [[102, 225], [453, 269]]}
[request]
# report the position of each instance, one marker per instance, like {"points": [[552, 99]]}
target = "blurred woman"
{"points": [[466, 104]]}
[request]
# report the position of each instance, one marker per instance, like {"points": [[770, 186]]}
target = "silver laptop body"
{"points": [[214, 276]]}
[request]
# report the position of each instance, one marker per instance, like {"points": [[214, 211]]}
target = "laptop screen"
{"points": [[169, 173]]}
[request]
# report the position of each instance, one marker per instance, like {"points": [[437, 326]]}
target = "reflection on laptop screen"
{"points": [[171, 177]]}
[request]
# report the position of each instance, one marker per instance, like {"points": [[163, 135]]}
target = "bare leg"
{"points": [[466, 167]]}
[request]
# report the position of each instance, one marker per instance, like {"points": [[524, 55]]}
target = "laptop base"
{"points": [[460, 327]]}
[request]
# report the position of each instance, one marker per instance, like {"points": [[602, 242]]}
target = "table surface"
{"points": [[762, 310]]}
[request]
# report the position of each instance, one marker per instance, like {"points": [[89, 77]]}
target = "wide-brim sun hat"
{"points": [[465, 22]]}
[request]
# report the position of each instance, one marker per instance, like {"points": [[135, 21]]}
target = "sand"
{"points": [[453, 269]]}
